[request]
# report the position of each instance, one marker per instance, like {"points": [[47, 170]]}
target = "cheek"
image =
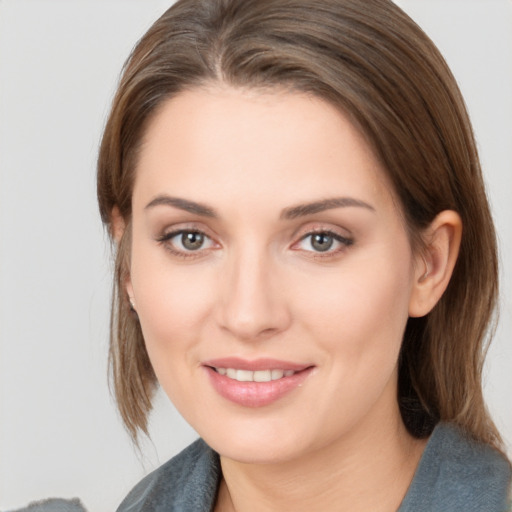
{"points": [[173, 308], [173, 303], [367, 293], [361, 311], [358, 325]]}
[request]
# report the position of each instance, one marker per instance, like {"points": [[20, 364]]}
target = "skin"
{"points": [[259, 288]]}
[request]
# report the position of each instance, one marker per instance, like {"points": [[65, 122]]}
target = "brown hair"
{"points": [[370, 60]]}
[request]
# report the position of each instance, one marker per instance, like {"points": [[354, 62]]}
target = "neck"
{"points": [[369, 470]]}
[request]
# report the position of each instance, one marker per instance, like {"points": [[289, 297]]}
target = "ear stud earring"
{"points": [[132, 303]]}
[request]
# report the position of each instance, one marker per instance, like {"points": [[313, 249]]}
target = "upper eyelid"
{"points": [[189, 255], [309, 229], [166, 235], [332, 234], [190, 227], [339, 238], [324, 230], [340, 235]]}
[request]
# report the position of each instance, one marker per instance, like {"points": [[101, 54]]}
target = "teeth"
{"points": [[277, 374], [262, 376], [257, 376], [244, 375]]}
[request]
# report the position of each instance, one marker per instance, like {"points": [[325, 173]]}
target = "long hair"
{"points": [[371, 61]]}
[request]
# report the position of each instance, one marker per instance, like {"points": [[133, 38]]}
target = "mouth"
{"points": [[254, 376], [255, 383]]}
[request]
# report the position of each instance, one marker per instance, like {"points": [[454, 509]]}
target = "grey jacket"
{"points": [[455, 474]]}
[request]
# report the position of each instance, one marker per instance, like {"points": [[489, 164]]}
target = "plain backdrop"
{"points": [[59, 62]]}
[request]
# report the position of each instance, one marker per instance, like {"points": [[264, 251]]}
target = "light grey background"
{"points": [[59, 62]]}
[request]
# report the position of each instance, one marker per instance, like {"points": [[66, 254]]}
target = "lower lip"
{"points": [[255, 394]]}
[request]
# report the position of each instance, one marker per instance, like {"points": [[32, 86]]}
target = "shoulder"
{"points": [[457, 473], [188, 482]]}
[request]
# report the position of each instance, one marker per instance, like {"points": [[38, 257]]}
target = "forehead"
{"points": [[274, 144]]}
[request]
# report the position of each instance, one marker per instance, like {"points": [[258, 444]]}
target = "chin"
{"points": [[257, 452], [259, 443]]}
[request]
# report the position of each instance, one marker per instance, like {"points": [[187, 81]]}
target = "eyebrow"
{"points": [[183, 204], [293, 212], [302, 210]]}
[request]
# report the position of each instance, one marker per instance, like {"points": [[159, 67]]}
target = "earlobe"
{"points": [[435, 264], [130, 298], [129, 291]]}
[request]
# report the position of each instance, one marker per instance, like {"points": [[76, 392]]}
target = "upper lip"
{"points": [[255, 364]]}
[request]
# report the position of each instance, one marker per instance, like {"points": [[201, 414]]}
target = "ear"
{"points": [[117, 228], [117, 224], [435, 263]]}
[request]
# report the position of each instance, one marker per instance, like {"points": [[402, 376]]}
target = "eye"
{"points": [[184, 242], [189, 240], [323, 242]]}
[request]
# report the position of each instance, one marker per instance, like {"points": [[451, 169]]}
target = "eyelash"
{"points": [[166, 238], [343, 241]]}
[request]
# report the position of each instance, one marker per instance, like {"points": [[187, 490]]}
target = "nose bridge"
{"points": [[253, 305]]}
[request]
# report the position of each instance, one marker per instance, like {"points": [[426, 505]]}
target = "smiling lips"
{"points": [[254, 376], [256, 383]]}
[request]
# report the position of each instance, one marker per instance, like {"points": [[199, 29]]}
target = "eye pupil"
{"points": [[322, 242], [192, 241]]}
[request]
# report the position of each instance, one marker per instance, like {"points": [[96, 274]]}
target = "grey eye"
{"points": [[321, 242], [192, 241], [186, 243]]}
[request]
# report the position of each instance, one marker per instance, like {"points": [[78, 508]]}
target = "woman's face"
{"points": [[271, 272]]}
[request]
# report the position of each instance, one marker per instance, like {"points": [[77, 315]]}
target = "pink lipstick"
{"points": [[255, 383]]}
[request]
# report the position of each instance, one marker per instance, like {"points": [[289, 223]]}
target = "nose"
{"points": [[253, 302]]}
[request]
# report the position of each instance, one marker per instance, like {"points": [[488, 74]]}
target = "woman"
{"points": [[306, 261]]}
